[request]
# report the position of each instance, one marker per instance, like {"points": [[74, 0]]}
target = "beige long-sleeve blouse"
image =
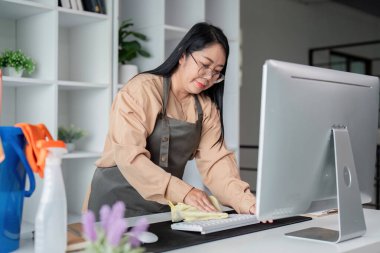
{"points": [[132, 120]]}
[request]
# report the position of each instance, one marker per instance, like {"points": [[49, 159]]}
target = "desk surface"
{"points": [[273, 240]]}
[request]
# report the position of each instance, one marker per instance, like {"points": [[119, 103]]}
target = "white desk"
{"points": [[273, 240]]}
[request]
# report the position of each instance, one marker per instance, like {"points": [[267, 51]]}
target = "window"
{"points": [[349, 63]]}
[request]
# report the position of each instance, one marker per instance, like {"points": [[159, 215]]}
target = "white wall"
{"points": [[286, 30]]}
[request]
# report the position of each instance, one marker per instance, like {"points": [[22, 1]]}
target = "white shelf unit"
{"points": [[76, 53], [72, 83], [165, 22]]}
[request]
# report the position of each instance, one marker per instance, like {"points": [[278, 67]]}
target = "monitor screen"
{"points": [[304, 110]]}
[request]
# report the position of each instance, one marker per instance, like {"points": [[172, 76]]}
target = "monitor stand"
{"points": [[350, 211]]}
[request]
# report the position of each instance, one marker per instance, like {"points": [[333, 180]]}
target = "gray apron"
{"points": [[172, 143]]}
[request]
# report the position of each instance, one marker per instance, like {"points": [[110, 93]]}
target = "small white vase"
{"points": [[126, 72], [10, 71], [70, 147]]}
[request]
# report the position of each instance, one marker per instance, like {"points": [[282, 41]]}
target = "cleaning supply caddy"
{"points": [[14, 170]]}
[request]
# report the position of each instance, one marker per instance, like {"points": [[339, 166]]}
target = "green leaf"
{"points": [[139, 35], [144, 53]]}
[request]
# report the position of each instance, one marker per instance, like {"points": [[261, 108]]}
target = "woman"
{"points": [[161, 119]]}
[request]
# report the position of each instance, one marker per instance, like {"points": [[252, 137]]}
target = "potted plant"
{"points": [[14, 62], [69, 135], [129, 49]]}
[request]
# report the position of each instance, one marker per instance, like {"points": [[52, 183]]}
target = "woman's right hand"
{"points": [[200, 200], [252, 210]]}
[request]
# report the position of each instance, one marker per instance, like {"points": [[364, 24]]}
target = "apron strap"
{"points": [[164, 145], [199, 109], [166, 91], [198, 123]]}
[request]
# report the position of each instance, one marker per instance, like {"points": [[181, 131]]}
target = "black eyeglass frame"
{"points": [[219, 76]]}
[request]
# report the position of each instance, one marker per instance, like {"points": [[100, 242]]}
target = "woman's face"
{"points": [[200, 69]]}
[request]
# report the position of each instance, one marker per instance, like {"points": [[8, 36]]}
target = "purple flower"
{"points": [[88, 221], [116, 215], [118, 209], [141, 226], [104, 216], [116, 231]]}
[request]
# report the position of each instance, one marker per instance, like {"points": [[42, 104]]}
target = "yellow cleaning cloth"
{"points": [[185, 212]]}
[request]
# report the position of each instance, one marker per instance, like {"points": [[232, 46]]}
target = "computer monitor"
{"points": [[316, 123]]}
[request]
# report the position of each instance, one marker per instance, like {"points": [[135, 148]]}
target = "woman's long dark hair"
{"points": [[200, 36]]}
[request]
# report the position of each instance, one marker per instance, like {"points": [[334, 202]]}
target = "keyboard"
{"points": [[211, 226]]}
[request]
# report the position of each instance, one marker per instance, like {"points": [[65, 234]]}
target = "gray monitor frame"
{"points": [[316, 124]]}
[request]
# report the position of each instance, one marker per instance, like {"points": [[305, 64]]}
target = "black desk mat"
{"points": [[169, 239]]}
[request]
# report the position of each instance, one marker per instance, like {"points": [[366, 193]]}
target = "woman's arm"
{"points": [[218, 166]]}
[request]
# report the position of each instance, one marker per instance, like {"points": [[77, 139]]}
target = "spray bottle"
{"points": [[51, 218]]}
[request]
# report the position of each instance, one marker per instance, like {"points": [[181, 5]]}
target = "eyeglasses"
{"points": [[205, 71]]}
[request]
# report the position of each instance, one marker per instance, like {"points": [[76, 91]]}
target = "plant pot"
{"points": [[70, 147], [10, 71], [126, 72]]}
